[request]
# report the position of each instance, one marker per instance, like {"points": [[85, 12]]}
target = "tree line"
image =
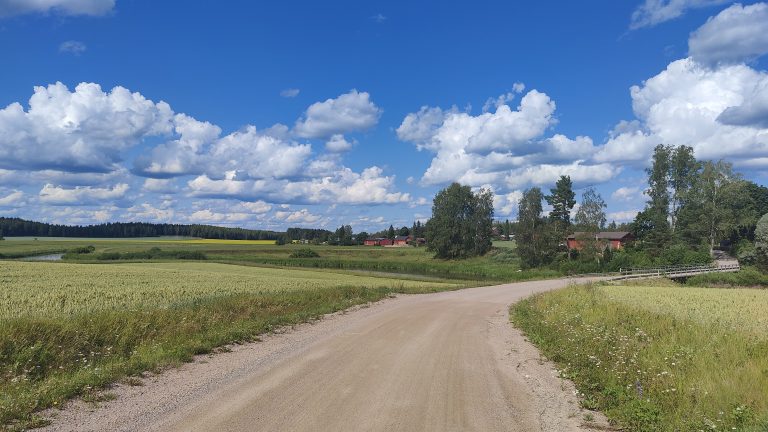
{"points": [[16, 227], [20, 227]]}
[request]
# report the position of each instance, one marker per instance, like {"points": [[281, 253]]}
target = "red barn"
{"points": [[614, 240], [386, 242], [401, 241]]}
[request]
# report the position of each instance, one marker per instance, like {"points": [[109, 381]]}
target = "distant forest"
{"points": [[21, 227]]}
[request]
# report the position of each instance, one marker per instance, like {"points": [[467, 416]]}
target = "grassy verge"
{"points": [[657, 368], [43, 362], [746, 277]]}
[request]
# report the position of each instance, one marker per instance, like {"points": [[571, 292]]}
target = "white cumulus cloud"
{"points": [[147, 212], [72, 47], [338, 144], [81, 195], [290, 93], [735, 35], [352, 111], [714, 110], [626, 194], [506, 204], [545, 174], [652, 12], [165, 186], [622, 216], [80, 131], [344, 187], [492, 147], [63, 7], [12, 199], [210, 216], [302, 216]]}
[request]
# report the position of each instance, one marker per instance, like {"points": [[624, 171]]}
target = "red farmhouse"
{"points": [[612, 239]]}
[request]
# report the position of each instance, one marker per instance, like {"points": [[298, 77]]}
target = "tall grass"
{"points": [[481, 269], [651, 371], [746, 277], [47, 289], [66, 329], [45, 361]]}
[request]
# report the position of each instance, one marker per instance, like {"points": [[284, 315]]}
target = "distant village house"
{"points": [[397, 241], [614, 240]]}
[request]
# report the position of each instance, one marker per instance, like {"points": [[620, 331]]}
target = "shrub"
{"points": [[304, 253], [82, 250], [680, 254], [505, 256], [619, 260], [154, 253], [745, 252], [579, 266], [106, 256], [747, 277]]}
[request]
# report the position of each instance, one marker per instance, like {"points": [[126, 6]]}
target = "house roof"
{"points": [[604, 235], [401, 238]]}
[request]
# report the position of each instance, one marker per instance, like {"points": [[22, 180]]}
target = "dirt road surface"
{"points": [[440, 362]]}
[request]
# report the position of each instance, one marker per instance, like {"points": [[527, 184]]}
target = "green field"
{"points": [[67, 329], [659, 358], [508, 244], [740, 309], [501, 265], [45, 289]]}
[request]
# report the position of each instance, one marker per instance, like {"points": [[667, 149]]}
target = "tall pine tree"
{"points": [[562, 199]]}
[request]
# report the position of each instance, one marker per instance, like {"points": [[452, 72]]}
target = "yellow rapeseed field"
{"points": [[222, 241], [56, 289]]}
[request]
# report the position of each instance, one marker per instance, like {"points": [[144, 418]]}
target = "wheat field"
{"points": [[39, 289]]}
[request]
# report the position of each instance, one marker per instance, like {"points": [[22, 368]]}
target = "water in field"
{"points": [[51, 257]]}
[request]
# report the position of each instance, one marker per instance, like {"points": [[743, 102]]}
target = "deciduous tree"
{"points": [[683, 174], [461, 223], [591, 213], [530, 228], [761, 242]]}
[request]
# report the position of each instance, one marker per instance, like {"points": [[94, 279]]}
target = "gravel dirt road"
{"points": [[439, 362]]}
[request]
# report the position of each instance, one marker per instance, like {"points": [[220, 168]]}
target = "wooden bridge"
{"points": [[678, 272]]}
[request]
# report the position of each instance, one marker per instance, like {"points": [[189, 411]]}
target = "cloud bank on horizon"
{"points": [[92, 154]]}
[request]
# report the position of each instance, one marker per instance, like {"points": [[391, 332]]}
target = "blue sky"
{"points": [[308, 114]]}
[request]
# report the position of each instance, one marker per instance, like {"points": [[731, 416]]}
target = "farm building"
{"points": [[401, 240], [376, 241], [397, 241], [381, 241], [614, 240]]}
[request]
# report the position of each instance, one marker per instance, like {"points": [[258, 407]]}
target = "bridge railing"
{"points": [[683, 270]]}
